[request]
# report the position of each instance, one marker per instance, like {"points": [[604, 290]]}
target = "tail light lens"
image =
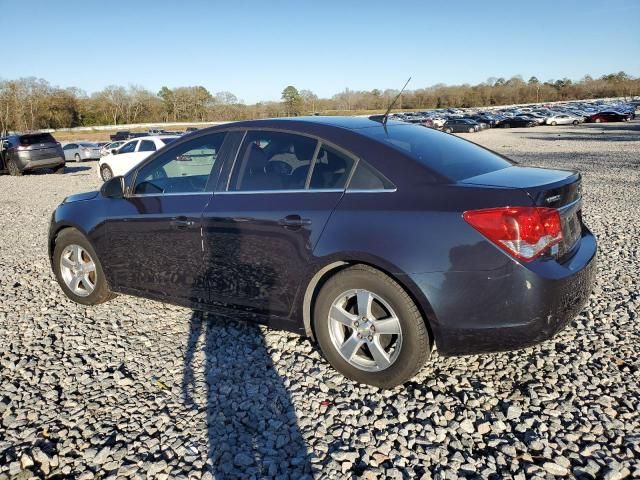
{"points": [[524, 232]]}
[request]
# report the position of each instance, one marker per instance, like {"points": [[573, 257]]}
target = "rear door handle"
{"points": [[182, 223], [292, 221]]}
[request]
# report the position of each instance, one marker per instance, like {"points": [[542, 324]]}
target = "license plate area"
{"points": [[571, 228]]}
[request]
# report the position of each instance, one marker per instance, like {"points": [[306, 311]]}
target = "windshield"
{"points": [[447, 155]]}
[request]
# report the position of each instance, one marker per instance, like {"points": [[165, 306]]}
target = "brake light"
{"points": [[524, 232]]}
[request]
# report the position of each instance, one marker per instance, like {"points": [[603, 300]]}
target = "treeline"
{"points": [[31, 103]]}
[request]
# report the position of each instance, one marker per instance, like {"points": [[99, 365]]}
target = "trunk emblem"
{"points": [[553, 198]]}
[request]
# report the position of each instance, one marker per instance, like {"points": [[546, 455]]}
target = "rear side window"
{"points": [[331, 169], [147, 146], [367, 178], [447, 155], [36, 138], [270, 160]]}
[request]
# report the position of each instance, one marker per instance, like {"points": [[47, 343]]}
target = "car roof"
{"points": [[350, 123]]}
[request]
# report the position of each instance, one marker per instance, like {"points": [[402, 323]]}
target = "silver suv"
{"points": [[30, 151]]}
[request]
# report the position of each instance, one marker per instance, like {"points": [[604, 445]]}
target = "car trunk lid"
{"points": [[560, 189]]}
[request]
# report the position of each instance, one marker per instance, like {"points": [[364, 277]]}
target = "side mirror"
{"points": [[113, 188], [114, 151]]}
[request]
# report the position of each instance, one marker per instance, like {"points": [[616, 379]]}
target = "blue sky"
{"points": [[256, 48]]}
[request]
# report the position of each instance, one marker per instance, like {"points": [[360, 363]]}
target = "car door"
{"points": [[124, 159], [264, 220], [154, 232]]}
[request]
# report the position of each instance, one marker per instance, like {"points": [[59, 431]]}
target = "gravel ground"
{"points": [[138, 389]]}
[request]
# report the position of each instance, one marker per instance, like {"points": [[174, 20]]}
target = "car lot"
{"points": [[135, 388]]}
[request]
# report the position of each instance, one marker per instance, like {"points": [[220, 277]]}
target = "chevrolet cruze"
{"points": [[378, 240]]}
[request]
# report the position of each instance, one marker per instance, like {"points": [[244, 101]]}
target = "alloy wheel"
{"points": [[78, 270], [365, 330]]}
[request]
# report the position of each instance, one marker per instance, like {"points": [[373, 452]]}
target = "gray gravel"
{"points": [[138, 389]]}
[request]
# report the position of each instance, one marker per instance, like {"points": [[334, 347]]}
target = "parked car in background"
{"points": [[280, 222], [518, 122], [130, 154], [111, 147], [608, 117], [563, 119], [27, 152], [77, 152], [191, 129], [460, 125], [122, 135]]}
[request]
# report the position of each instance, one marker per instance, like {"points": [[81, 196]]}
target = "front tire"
{"points": [[598, 120], [472, 130], [369, 329], [59, 170], [14, 171], [576, 122], [106, 173], [77, 158], [78, 269], [554, 124], [448, 130]]}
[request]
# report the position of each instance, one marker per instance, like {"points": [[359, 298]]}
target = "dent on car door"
{"points": [[154, 232], [260, 230]]}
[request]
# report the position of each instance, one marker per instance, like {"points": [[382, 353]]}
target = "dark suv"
{"points": [[30, 151]]}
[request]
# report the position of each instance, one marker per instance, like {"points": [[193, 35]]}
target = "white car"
{"points": [[563, 119], [130, 154], [110, 147]]}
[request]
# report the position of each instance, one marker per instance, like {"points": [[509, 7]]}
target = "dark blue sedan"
{"points": [[379, 241]]}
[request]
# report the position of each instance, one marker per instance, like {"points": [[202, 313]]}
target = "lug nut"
{"points": [[356, 324], [370, 338], [372, 328]]}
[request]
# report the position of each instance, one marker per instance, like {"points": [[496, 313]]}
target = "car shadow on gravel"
{"points": [[251, 420]]}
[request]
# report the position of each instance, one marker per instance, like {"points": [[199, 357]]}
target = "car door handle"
{"points": [[292, 221], [182, 223]]}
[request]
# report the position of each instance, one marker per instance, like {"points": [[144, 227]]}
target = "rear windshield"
{"points": [[447, 155], [89, 145], [36, 138]]}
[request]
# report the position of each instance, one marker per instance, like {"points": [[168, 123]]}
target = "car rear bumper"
{"points": [[510, 308], [28, 164]]}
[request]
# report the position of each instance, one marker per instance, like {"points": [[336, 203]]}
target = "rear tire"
{"points": [[506, 125], [106, 173], [448, 130], [404, 351], [576, 122], [554, 123], [77, 158], [472, 130], [100, 292], [14, 171], [59, 170], [598, 120]]}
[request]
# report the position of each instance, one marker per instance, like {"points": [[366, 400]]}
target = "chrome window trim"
{"points": [[297, 190], [172, 194], [372, 190]]}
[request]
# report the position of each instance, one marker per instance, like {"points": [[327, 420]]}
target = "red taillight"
{"points": [[524, 232]]}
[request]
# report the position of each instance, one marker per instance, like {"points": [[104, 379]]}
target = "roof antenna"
{"points": [[385, 117]]}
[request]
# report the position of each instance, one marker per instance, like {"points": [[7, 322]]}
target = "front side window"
{"points": [[70, 146], [128, 147], [184, 168], [272, 161]]}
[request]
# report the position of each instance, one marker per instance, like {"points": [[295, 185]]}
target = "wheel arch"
{"points": [[329, 270]]}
